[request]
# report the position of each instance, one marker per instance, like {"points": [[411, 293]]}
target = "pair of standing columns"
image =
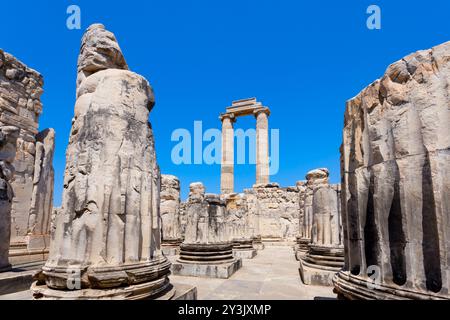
{"points": [[262, 149]]}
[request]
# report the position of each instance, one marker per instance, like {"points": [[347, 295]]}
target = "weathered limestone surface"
{"points": [[8, 142], [262, 145], [20, 106], [38, 233], [395, 162], [325, 253], [107, 233], [238, 226], [170, 214], [207, 247], [183, 218], [227, 164], [277, 211], [302, 240]]}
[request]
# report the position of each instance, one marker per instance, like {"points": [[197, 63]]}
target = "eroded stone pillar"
{"points": [[227, 165], [238, 226], [8, 142], [302, 241], [170, 214], [262, 145], [395, 162], [207, 247], [41, 210], [313, 178], [254, 218], [325, 254], [106, 243]]}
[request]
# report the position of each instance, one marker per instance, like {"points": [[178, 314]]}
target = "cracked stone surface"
{"points": [[108, 228], [395, 160]]}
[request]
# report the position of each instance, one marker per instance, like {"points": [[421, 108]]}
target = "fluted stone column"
{"points": [[227, 166], [306, 200], [301, 245], [8, 141], [254, 218], [395, 165], [207, 248], [41, 210], [238, 226], [262, 145], [107, 239], [170, 215], [325, 253]]}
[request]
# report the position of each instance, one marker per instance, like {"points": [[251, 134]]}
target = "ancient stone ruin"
{"points": [[395, 194], [241, 108], [277, 211], [20, 106], [207, 249], [325, 252], [107, 239], [238, 225], [304, 227], [383, 233], [170, 215], [8, 142]]}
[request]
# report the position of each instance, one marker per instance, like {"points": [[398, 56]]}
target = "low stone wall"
{"points": [[276, 210]]}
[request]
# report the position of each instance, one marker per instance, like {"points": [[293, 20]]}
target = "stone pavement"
{"points": [[273, 275]]}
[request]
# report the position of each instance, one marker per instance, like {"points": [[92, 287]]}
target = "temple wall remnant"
{"points": [[20, 106], [8, 142]]}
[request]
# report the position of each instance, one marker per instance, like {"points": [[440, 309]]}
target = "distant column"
{"points": [[262, 145], [227, 169]]}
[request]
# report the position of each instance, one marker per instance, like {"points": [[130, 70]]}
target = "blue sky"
{"points": [[303, 59]]}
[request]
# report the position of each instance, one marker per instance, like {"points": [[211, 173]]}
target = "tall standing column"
{"points": [[227, 169], [262, 145]]}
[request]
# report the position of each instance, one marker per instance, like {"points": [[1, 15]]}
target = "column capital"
{"points": [[265, 110], [227, 115]]}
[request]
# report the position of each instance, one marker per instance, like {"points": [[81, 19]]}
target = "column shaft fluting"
{"points": [[227, 166], [262, 147]]}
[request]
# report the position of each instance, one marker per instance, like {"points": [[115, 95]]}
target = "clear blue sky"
{"points": [[303, 59]]}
